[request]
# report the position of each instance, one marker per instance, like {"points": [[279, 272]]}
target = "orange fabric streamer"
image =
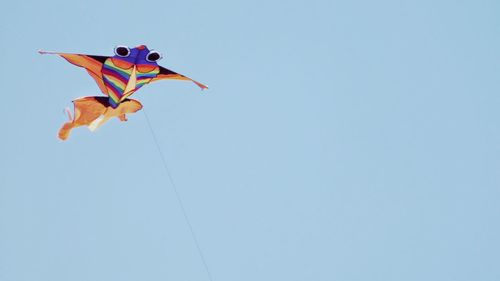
{"points": [[95, 111]]}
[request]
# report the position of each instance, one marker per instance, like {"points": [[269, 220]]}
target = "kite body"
{"points": [[118, 77]]}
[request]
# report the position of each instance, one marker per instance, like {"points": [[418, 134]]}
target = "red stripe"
{"points": [[114, 74], [112, 88]]}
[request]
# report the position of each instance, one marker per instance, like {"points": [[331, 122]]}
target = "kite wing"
{"points": [[93, 65], [169, 74]]}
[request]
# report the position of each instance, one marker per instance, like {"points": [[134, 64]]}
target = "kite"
{"points": [[118, 77]]}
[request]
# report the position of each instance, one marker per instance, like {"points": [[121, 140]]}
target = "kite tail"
{"points": [[68, 111], [66, 130], [93, 112]]}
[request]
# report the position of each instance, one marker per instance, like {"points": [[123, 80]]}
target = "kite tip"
{"points": [[202, 87], [42, 52]]}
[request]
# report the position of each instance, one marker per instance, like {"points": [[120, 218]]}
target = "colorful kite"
{"points": [[118, 77]]}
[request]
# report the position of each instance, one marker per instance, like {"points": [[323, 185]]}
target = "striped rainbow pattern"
{"points": [[117, 77], [143, 78]]}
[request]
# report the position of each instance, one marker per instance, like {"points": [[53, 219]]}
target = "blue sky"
{"points": [[339, 140]]}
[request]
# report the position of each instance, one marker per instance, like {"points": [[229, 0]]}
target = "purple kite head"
{"points": [[138, 55]]}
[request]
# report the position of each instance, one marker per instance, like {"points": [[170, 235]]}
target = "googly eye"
{"points": [[153, 56], [122, 51]]}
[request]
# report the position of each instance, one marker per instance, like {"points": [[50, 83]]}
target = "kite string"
{"points": [[181, 204]]}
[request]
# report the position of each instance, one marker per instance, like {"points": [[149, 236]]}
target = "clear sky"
{"points": [[339, 140]]}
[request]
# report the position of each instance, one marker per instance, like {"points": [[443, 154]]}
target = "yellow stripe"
{"points": [[115, 81]]}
